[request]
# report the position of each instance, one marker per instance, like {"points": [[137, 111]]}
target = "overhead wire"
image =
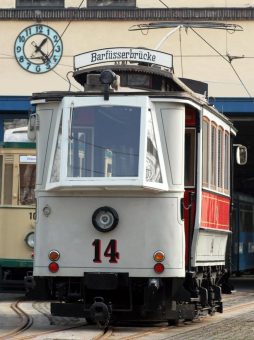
{"points": [[67, 80], [163, 3], [60, 37], [226, 59]]}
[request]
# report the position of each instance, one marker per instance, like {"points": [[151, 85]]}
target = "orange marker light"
{"points": [[159, 256], [54, 255], [53, 267], [158, 268]]}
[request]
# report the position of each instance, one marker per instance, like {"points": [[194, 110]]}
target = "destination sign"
{"points": [[118, 54], [27, 159]]}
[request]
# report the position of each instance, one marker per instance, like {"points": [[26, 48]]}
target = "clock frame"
{"points": [[38, 48]]}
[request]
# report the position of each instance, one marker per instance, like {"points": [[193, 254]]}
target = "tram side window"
{"points": [[190, 150], [220, 159], [153, 169], [216, 157], [1, 177], [205, 154], [213, 156], [8, 183], [55, 173], [227, 163], [27, 183]]}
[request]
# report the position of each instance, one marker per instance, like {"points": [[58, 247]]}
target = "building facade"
{"points": [[223, 59]]}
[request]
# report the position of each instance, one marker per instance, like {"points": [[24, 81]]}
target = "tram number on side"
{"points": [[32, 216], [110, 251]]}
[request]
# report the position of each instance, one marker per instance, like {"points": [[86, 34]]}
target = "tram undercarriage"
{"points": [[111, 297]]}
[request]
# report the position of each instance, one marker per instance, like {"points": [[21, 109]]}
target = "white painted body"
{"points": [[149, 217]]}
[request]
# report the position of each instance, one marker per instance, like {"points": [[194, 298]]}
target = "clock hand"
{"points": [[44, 57], [38, 48], [42, 43]]}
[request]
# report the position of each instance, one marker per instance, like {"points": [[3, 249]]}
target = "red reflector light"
{"points": [[53, 267], [158, 268]]}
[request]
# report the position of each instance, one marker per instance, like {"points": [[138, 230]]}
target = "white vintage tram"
{"points": [[133, 192]]}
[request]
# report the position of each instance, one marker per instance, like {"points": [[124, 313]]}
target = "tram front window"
{"points": [[27, 183], [104, 141]]}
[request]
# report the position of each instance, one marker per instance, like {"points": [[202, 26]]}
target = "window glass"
{"points": [[220, 158], [55, 173], [15, 130], [246, 217], [153, 169], [227, 162], [111, 3], [1, 177], [40, 3], [27, 183], [189, 177], [104, 141], [205, 152], [213, 156], [8, 183]]}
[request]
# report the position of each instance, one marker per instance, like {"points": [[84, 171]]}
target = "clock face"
{"points": [[38, 48]]}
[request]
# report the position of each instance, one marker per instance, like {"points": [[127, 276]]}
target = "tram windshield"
{"points": [[104, 142], [107, 145]]}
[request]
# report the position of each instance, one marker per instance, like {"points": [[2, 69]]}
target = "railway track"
{"points": [[26, 321], [29, 327]]}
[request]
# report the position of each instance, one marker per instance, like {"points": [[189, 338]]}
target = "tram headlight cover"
{"points": [[29, 239], [105, 219]]}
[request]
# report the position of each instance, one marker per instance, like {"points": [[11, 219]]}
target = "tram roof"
{"points": [[131, 64]]}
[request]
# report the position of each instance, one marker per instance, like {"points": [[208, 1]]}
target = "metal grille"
{"points": [[8, 159]]}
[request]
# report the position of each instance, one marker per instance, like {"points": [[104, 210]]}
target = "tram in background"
{"points": [[242, 248], [17, 206], [133, 192]]}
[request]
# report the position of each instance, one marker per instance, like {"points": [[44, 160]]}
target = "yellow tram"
{"points": [[17, 207]]}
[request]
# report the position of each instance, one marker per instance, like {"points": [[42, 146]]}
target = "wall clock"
{"points": [[38, 48]]}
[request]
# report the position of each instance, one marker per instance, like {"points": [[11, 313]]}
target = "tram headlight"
{"points": [[29, 239], [107, 77], [105, 219]]}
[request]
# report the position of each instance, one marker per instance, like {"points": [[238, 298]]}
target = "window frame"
{"points": [[66, 182], [32, 167], [192, 131], [226, 171], [213, 168], [207, 121], [222, 156]]}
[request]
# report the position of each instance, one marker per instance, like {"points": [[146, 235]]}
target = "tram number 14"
{"points": [[110, 251]]}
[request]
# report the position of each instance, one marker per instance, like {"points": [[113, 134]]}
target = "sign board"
{"points": [[27, 159], [118, 54]]}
